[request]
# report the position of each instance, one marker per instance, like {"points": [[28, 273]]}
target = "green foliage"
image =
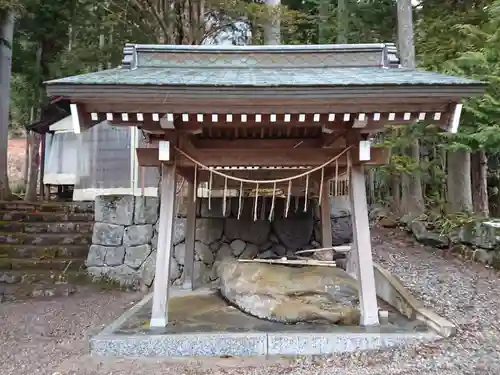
{"points": [[482, 114], [14, 5], [456, 37], [449, 224]]}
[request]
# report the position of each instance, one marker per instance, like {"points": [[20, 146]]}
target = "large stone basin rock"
{"points": [[290, 294]]}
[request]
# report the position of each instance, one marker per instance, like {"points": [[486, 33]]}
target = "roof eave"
{"points": [[77, 92]]}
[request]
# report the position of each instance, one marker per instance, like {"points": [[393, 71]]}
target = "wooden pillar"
{"points": [[362, 261], [159, 313], [188, 274], [326, 219], [42, 166]]}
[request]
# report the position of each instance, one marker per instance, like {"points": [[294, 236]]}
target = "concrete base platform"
{"points": [[202, 324]]}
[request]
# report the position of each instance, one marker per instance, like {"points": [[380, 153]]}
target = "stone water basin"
{"points": [[205, 311]]}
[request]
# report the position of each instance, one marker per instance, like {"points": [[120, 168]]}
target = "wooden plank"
{"points": [[361, 257], [188, 273], [159, 313]]}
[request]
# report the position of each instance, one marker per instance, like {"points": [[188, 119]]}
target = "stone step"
{"points": [[43, 276], [43, 252], [57, 264], [46, 227], [60, 207], [14, 292], [45, 216], [46, 239]]}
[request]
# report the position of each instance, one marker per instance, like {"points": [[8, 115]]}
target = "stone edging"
{"points": [[392, 291], [156, 344]]}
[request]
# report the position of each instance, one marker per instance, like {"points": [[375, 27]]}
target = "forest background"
{"points": [[450, 179]]}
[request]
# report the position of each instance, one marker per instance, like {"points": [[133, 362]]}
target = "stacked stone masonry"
{"points": [[125, 236], [478, 240]]}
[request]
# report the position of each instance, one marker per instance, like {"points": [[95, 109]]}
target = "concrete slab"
{"points": [[202, 324]]}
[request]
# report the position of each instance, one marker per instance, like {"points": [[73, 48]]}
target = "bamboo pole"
{"points": [[340, 249], [309, 262]]}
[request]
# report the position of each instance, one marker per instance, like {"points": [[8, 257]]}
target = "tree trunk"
{"points": [[272, 29], [459, 182], [34, 138], [342, 21], [396, 193], [26, 159], [31, 189], [416, 204], [6, 36], [412, 195], [479, 170], [371, 187], [323, 21]]}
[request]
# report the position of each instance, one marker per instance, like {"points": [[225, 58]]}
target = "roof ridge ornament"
{"points": [[129, 57], [270, 57], [392, 56]]}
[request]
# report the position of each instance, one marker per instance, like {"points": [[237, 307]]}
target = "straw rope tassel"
{"points": [[271, 212], [195, 183], [321, 185], [256, 202], [224, 198], [210, 190], [288, 198], [279, 180], [336, 177], [296, 200], [240, 197]]}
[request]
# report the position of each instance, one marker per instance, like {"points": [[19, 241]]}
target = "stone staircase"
{"points": [[43, 247]]}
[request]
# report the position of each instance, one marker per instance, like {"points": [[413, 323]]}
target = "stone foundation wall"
{"points": [[478, 240], [125, 235]]}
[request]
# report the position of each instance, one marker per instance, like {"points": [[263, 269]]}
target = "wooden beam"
{"points": [[216, 144], [252, 121], [360, 262], [159, 313], [85, 119], [266, 106], [326, 220], [372, 121], [188, 272], [263, 157], [148, 157]]}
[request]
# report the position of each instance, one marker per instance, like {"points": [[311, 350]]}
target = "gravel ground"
{"points": [[47, 337]]}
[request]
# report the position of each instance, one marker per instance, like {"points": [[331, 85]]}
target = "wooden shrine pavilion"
{"points": [[286, 118]]}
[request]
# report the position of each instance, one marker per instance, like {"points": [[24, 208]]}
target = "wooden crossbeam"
{"points": [[295, 105], [368, 122], [217, 144], [148, 157]]}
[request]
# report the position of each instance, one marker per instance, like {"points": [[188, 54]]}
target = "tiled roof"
{"points": [[264, 77], [262, 66]]}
